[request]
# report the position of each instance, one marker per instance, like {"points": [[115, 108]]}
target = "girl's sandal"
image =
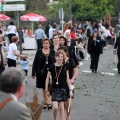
{"points": [[45, 105]]}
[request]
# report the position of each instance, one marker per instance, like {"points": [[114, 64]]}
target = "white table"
{"points": [[30, 43]]}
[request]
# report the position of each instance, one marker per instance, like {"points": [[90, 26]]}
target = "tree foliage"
{"points": [[116, 5], [91, 9]]}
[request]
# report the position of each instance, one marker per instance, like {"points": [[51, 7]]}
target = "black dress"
{"points": [[59, 91], [40, 67]]}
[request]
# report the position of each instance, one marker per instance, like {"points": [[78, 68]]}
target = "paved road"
{"points": [[97, 96]]}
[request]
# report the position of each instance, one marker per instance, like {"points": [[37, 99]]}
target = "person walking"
{"points": [[60, 80], [39, 35], [11, 89], [24, 64], [43, 59], [94, 49], [73, 72], [11, 31], [117, 50], [51, 30]]}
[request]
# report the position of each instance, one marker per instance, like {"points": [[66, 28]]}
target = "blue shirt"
{"points": [[24, 64], [39, 34]]}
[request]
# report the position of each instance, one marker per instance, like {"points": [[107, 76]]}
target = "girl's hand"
{"points": [[33, 77], [50, 82], [47, 93], [71, 82], [71, 94]]}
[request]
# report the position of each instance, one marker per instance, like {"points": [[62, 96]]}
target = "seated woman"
{"points": [[80, 48]]}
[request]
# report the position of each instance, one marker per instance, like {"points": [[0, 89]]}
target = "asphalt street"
{"points": [[97, 95]]}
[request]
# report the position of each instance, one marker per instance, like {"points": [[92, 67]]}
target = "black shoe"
{"points": [[49, 106], [92, 70], [95, 71], [45, 105], [119, 72]]}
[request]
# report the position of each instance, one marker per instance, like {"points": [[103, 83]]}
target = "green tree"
{"points": [[91, 9], [116, 5]]}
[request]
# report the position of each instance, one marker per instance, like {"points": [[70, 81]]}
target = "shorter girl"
{"points": [[24, 63], [60, 81]]}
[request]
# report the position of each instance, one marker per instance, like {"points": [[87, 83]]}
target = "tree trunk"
{"points": [[69, 10]]}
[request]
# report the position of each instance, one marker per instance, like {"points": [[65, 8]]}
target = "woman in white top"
{"points": [[11, 31], [12, 52]]}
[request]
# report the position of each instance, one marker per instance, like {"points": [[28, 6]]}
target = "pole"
{"points": [[20, 32], [62, 19], [69, 10]]}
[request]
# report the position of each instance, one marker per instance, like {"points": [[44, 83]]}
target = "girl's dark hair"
{"points": [[65, 49], [11, 23], [64, 40]]}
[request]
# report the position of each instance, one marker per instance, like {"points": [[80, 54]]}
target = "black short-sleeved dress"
{"points": [[40, 67], [70, 63], [59, 91]]}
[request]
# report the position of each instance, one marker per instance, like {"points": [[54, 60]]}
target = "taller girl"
{"points": [[60, 81]]}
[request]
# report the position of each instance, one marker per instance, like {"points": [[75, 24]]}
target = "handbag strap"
{"points": [[57, 74], [3, 103]]}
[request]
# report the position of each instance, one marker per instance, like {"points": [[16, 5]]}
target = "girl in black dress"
{"points": [[73, 72], [60, 83], [43, 59]]}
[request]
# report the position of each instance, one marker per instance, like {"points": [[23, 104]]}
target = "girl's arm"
{"points": [[20, 62], [47, 81], [75, 73], [68, 80]]}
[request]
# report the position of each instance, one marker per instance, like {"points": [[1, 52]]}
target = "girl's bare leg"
{"points": [[66, 108], [55, 109], [62, 111]]}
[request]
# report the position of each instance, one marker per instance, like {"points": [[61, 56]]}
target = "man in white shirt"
{"points": [[53, 28], [12, 87]]}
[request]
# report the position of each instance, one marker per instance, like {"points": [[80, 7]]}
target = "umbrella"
{"points": [[33, 17], [4, 17]]}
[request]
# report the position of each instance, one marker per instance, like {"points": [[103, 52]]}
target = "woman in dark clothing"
{"points": [[43, 59], [94, 49]]}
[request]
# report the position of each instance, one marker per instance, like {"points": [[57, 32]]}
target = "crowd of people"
{"points": [[56, 62]]}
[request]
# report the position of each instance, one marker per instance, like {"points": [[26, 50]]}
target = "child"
{"points": [[60, 81], [24, 63]]}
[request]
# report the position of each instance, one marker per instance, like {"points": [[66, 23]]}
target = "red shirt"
{"points": [[73, 36]]}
